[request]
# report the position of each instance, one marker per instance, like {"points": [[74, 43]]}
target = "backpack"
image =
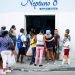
{"points": [[19, 42]]}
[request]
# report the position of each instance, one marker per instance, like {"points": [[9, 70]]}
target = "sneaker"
{"points": [[2, 73], [22, 62], [35, 64], [48, 63], [12, 69], [8, 71], [17, 61], [69, 61], [62, 63], [31, 63], [40, 65]]}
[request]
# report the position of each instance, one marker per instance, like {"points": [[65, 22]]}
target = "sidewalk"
{"points": [[57, 66]]}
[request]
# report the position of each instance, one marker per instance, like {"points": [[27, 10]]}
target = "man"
{"points": [[21, 43], [57, 40]]}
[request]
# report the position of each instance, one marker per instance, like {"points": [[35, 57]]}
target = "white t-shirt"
{"points": [[67, 43], [23, 38]]}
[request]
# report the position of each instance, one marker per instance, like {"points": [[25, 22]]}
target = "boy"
{"points": [[22, 48], [57, 40]]}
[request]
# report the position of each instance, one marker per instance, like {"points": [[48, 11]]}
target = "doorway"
{"points": [[40, 22]]}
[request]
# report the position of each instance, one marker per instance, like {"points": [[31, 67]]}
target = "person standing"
{"points": [[7, 50], [49, 39], [57, 40], [21, 44], [66, 46], [40, 43], [33, 46], [3, 28], [67, 31], [12, 34]]}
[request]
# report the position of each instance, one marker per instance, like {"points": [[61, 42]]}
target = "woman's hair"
{"points": [[13, 26], [41, 31], [67, 31], [22, 30], [33, 31], [3, 28], [4, 33], [66, 35]]}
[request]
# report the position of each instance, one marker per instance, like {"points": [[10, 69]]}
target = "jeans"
{"points": [[33, 54]]}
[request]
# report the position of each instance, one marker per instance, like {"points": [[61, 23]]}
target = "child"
{"points": [[66, 44]]}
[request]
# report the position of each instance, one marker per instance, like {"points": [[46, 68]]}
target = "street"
{"points": [[43, 73]]}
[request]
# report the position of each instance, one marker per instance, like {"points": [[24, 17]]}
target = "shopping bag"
{"points": [[12, 60], [29, 52]]}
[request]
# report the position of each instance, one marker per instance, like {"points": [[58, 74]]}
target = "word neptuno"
{"points": [[38, 3]]}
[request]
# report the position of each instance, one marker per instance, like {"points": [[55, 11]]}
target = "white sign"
{"points": [[36, 5], [41, 4]]}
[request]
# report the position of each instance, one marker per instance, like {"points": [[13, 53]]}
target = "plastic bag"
{"points": [[29, 52], [12, 60]]}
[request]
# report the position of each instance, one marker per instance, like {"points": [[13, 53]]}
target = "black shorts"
{"points": [[22, 51], [50, 48]]}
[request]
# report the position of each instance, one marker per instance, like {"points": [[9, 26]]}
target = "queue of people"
{"points": [[49, 46], [42, 45]]}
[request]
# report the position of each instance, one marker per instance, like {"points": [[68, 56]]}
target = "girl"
{"points": [[66, 44]]}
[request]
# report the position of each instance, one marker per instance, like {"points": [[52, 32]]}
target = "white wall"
{"points": [[9, 19], [64, 20]]}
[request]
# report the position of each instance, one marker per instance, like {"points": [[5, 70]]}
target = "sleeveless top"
{"points": [[32, 41], [40, 41]]}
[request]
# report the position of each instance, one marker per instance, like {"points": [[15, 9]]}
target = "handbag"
{"points": [[29, 52]]}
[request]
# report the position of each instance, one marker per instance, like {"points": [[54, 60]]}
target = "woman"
{"points": [[33, 46], [49, 39], [12, 34], [7, 50], [39, 48]]}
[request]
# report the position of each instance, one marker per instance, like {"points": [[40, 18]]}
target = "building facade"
{"points": [[16, 12]]}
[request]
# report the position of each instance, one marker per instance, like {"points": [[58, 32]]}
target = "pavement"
{"points": [[56, 66], [47, 68]]}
